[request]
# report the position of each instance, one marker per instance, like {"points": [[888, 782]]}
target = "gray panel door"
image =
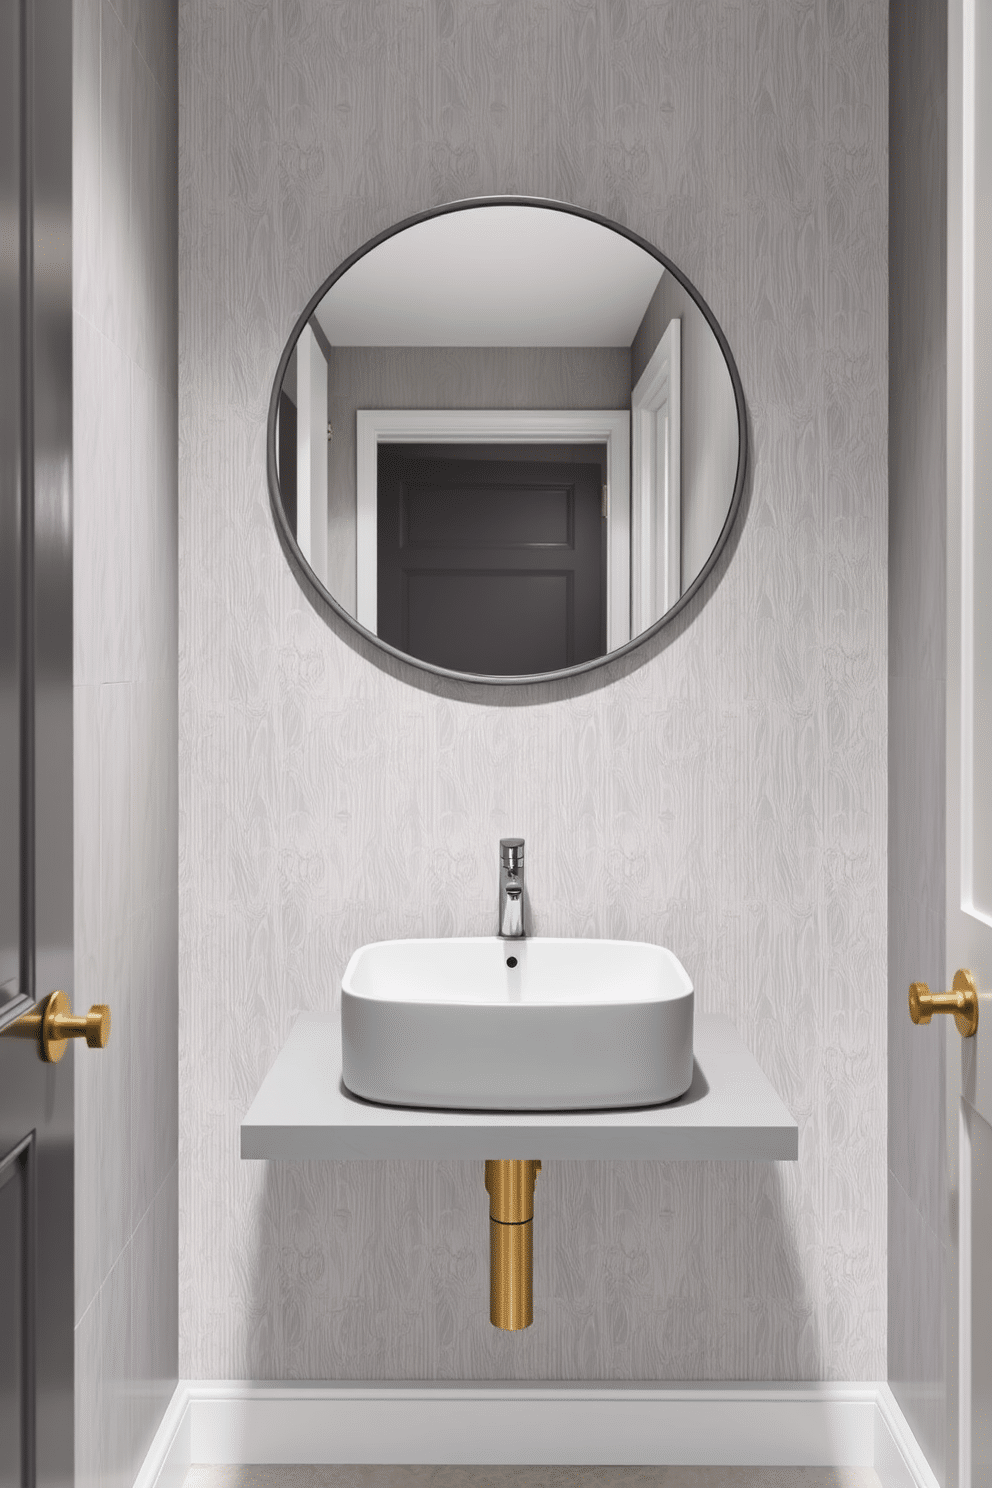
{"points": [[492, 558], [36, 1107]]}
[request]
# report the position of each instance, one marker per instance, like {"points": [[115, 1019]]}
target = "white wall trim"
{"points": [[819, 1425], [899, 1459], [170, 1455], [375, 426]]}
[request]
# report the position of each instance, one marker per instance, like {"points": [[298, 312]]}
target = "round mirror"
{"points": [[506, 440]]}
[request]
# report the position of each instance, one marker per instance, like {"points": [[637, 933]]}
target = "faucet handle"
{"points": [[511, 851]]}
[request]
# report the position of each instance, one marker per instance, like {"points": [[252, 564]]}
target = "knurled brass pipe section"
{"points": [[510, 1185], [511, 1275]]}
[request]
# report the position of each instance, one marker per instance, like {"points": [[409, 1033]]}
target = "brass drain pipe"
{"points": [[510, 1186]]}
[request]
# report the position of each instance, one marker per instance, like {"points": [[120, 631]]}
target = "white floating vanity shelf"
{"points": [[729, 1112]]}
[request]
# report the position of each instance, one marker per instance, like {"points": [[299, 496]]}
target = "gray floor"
{"points": [[532, 1477]]}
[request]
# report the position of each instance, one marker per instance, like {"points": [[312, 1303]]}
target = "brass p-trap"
{"points": [[510, 1186]]}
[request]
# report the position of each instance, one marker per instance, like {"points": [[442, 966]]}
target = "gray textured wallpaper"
{"points": [[125, 808], [918, 1198], [723, 794]]}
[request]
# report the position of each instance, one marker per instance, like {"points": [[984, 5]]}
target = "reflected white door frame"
{"points": [[656, 482], [311, 452], [611, 427]]}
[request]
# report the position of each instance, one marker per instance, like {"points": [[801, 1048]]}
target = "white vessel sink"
{"points": [[573, 1025]]}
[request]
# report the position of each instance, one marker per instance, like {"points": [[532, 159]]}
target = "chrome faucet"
{"points": [[511, 888]]}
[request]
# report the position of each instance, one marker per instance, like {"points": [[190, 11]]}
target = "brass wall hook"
{"points": [[962, 1001], [510, 1186]]}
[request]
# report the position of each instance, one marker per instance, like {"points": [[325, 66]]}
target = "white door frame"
{"points": [[656, 482], [968, 923], [611, 427]]}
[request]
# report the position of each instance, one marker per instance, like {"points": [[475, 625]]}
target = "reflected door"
{"points": [[36, 1106], [492, 560]]}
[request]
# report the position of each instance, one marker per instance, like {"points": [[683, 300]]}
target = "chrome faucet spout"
{"points": [[511, 925], [511, 889]]}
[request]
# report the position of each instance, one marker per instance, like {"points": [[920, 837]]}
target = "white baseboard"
{"points": [[810, 1425], [170, 1455], [899, 1460]]}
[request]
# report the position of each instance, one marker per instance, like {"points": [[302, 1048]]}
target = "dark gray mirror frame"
{"points": [[305, 573]]}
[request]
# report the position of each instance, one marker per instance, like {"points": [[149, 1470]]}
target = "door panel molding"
{"points": [[19, 1167]]}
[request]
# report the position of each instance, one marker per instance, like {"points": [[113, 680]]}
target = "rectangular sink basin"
{"points": [[485, 1024]]}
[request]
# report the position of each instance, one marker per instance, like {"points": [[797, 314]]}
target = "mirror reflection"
{"points": [[507, 440]]}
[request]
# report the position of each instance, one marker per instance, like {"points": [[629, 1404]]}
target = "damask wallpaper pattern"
{"points": [[723, 792]]}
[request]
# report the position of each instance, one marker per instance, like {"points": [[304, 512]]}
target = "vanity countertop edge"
{"points": [[303, 1111]]}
